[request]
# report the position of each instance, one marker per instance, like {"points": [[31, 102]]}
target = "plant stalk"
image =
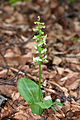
{"points": [[39, 81]]}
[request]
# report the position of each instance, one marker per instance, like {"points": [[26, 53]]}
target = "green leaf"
{"points": [[29, 90], [74, 39], [53, 108], [38, 107], [13, 1], [57, 103], [35, 108], [72, 0], [45, 104]]}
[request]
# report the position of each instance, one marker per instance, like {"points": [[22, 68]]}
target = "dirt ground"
{"points": [[60, 76]]}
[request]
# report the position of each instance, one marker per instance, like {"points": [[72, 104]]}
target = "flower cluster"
{"points": [[40, 42]]}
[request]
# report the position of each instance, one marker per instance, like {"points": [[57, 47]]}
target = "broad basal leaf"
{"points": [[29, 90], [38, 107], [35, 108]]}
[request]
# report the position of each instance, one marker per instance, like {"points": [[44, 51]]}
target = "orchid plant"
{"points": [[40, 48], [28, 89]]}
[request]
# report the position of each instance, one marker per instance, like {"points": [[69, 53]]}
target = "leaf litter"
{"points": [[60, 76]]}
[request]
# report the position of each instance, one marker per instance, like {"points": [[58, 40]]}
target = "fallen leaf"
{"points": [[3, 73], [75, 107], [56, 60]]}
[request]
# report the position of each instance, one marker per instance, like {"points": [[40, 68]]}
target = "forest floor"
{"points": [[60, 76]]}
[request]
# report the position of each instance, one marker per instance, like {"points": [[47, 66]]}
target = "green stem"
{"points": [[40, 77], [39, 81]]}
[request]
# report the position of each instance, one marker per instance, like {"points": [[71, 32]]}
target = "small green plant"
{"points": [[14, 1], [72, 1], [28, 89], [75, 39]]}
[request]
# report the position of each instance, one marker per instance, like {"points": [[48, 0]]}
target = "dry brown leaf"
{"points": [[7, 89], [53, 118], [67, 106], [65, 90], [26, 58], [18, 17], [52, 74], [15, 58], [60, 70], [60, 115], [73, 93], [5, 112], [56, 60], [9, 9], [15, 96], [54, 4], [73, 60], [71, 81], [29, 45], [71, 78], [3, 73], [74, 85], [10, 20], [21, 116], [75, 107], [77, 26]]}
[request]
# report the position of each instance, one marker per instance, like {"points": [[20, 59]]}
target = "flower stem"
{"points": [[39, 81], [39, 77]]}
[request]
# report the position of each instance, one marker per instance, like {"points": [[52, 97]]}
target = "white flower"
{"points": [[40, 44], [45, 57], [37, 59], [43, 51], [44, 39], [35, 47], [40, 60], [46, 61]]}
